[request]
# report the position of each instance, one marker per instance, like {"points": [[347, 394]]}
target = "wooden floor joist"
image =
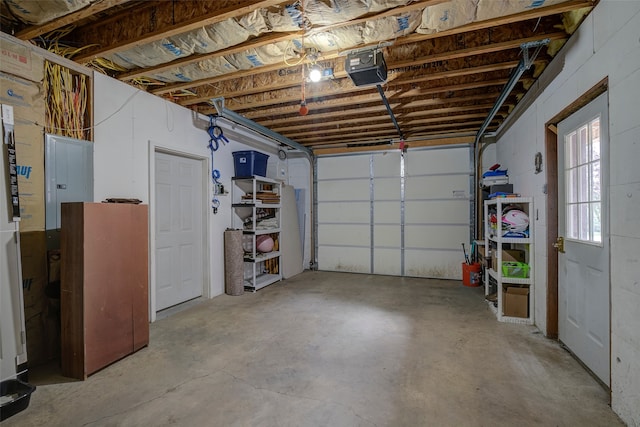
{"points": [[439, 79]]}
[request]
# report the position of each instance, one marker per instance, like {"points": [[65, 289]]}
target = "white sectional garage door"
{"points": [[383, 213]]}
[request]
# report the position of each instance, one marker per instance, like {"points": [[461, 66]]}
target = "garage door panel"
{"points": [[386, 189], [386, 235], [354, 260], [344, 212], [436, 187], [387, 212], [347, 235], [343, 167], [445, 236], [386, 164], [437, 161], [387, 261], [352, 189], [438, 211], [435, 204], [433, 263]]}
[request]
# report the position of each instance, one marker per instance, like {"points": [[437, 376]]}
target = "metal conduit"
{"points": [[523, 65]]}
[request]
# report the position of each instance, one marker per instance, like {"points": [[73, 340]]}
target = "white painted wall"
{"points": [[606, 44], [130, 123]]}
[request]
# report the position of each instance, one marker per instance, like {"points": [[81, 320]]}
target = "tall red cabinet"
{"points": [[104, 284]]}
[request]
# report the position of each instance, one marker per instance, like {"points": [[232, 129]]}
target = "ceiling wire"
{"points": [[535, 28]]}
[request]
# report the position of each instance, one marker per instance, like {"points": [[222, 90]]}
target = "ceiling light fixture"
{"points": [[315, 73]]}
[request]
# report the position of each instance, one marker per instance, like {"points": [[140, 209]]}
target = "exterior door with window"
{"points": [[583, 222]]}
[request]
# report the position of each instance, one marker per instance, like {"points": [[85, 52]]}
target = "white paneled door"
{"points": [[583, 222], [179, 229], [387, 213]]}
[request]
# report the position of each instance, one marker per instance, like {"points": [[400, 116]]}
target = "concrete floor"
{"points": [[333, 349]]}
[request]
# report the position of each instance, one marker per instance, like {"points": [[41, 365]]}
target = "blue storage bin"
{"points": [[249, 163]]}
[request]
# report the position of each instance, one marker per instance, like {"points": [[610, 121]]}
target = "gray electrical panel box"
{"points": [[68, 175]]}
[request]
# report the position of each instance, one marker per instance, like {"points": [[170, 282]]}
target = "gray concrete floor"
{"points": [[333, 349]]}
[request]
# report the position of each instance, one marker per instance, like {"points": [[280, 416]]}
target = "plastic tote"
{"points": [[249, 163], [515, 269]]}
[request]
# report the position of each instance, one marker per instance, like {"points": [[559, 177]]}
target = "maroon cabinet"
{"points": [[104, 284]]}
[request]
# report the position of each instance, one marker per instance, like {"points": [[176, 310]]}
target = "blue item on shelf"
{"points": [[249, 163], [499, 194], [523, 234], [497, 172]]}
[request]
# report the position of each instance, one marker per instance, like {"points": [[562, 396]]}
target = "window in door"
{"points": [[584, 183]]}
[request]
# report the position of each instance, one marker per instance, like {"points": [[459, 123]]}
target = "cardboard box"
{"points": [[30, 168], [515, 302], [26, 97], [484, 256], [33, 249], [27, 100], [507, 255], [20, 60]]}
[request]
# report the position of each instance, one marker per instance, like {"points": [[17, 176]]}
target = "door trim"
{"points": [[204, 161], [551, 161]]}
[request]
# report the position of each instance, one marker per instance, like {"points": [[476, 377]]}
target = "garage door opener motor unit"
{"points": [[366, 67]]}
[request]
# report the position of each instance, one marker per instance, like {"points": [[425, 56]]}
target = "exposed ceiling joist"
{"points": [[442, 75], [97, 7], [159, 19]]}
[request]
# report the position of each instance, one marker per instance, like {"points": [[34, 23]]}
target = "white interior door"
{"points": [[583, 222], [179, 229]]}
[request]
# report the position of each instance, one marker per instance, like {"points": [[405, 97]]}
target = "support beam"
{"points": [[97, 7], [277, 80], [163, 20], [395, 145], [445, 54], [393, 94]]}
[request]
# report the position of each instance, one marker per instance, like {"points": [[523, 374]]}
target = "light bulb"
{"points": [[304, 110], [315, 74]]}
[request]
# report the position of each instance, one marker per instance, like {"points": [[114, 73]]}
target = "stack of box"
{"points": [[508, 255], [21, 76]]}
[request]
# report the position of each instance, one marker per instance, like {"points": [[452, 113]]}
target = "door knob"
{"points": [[559, 244]]}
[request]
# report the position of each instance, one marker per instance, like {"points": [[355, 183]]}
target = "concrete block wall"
{"points": [[606, 45]]}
